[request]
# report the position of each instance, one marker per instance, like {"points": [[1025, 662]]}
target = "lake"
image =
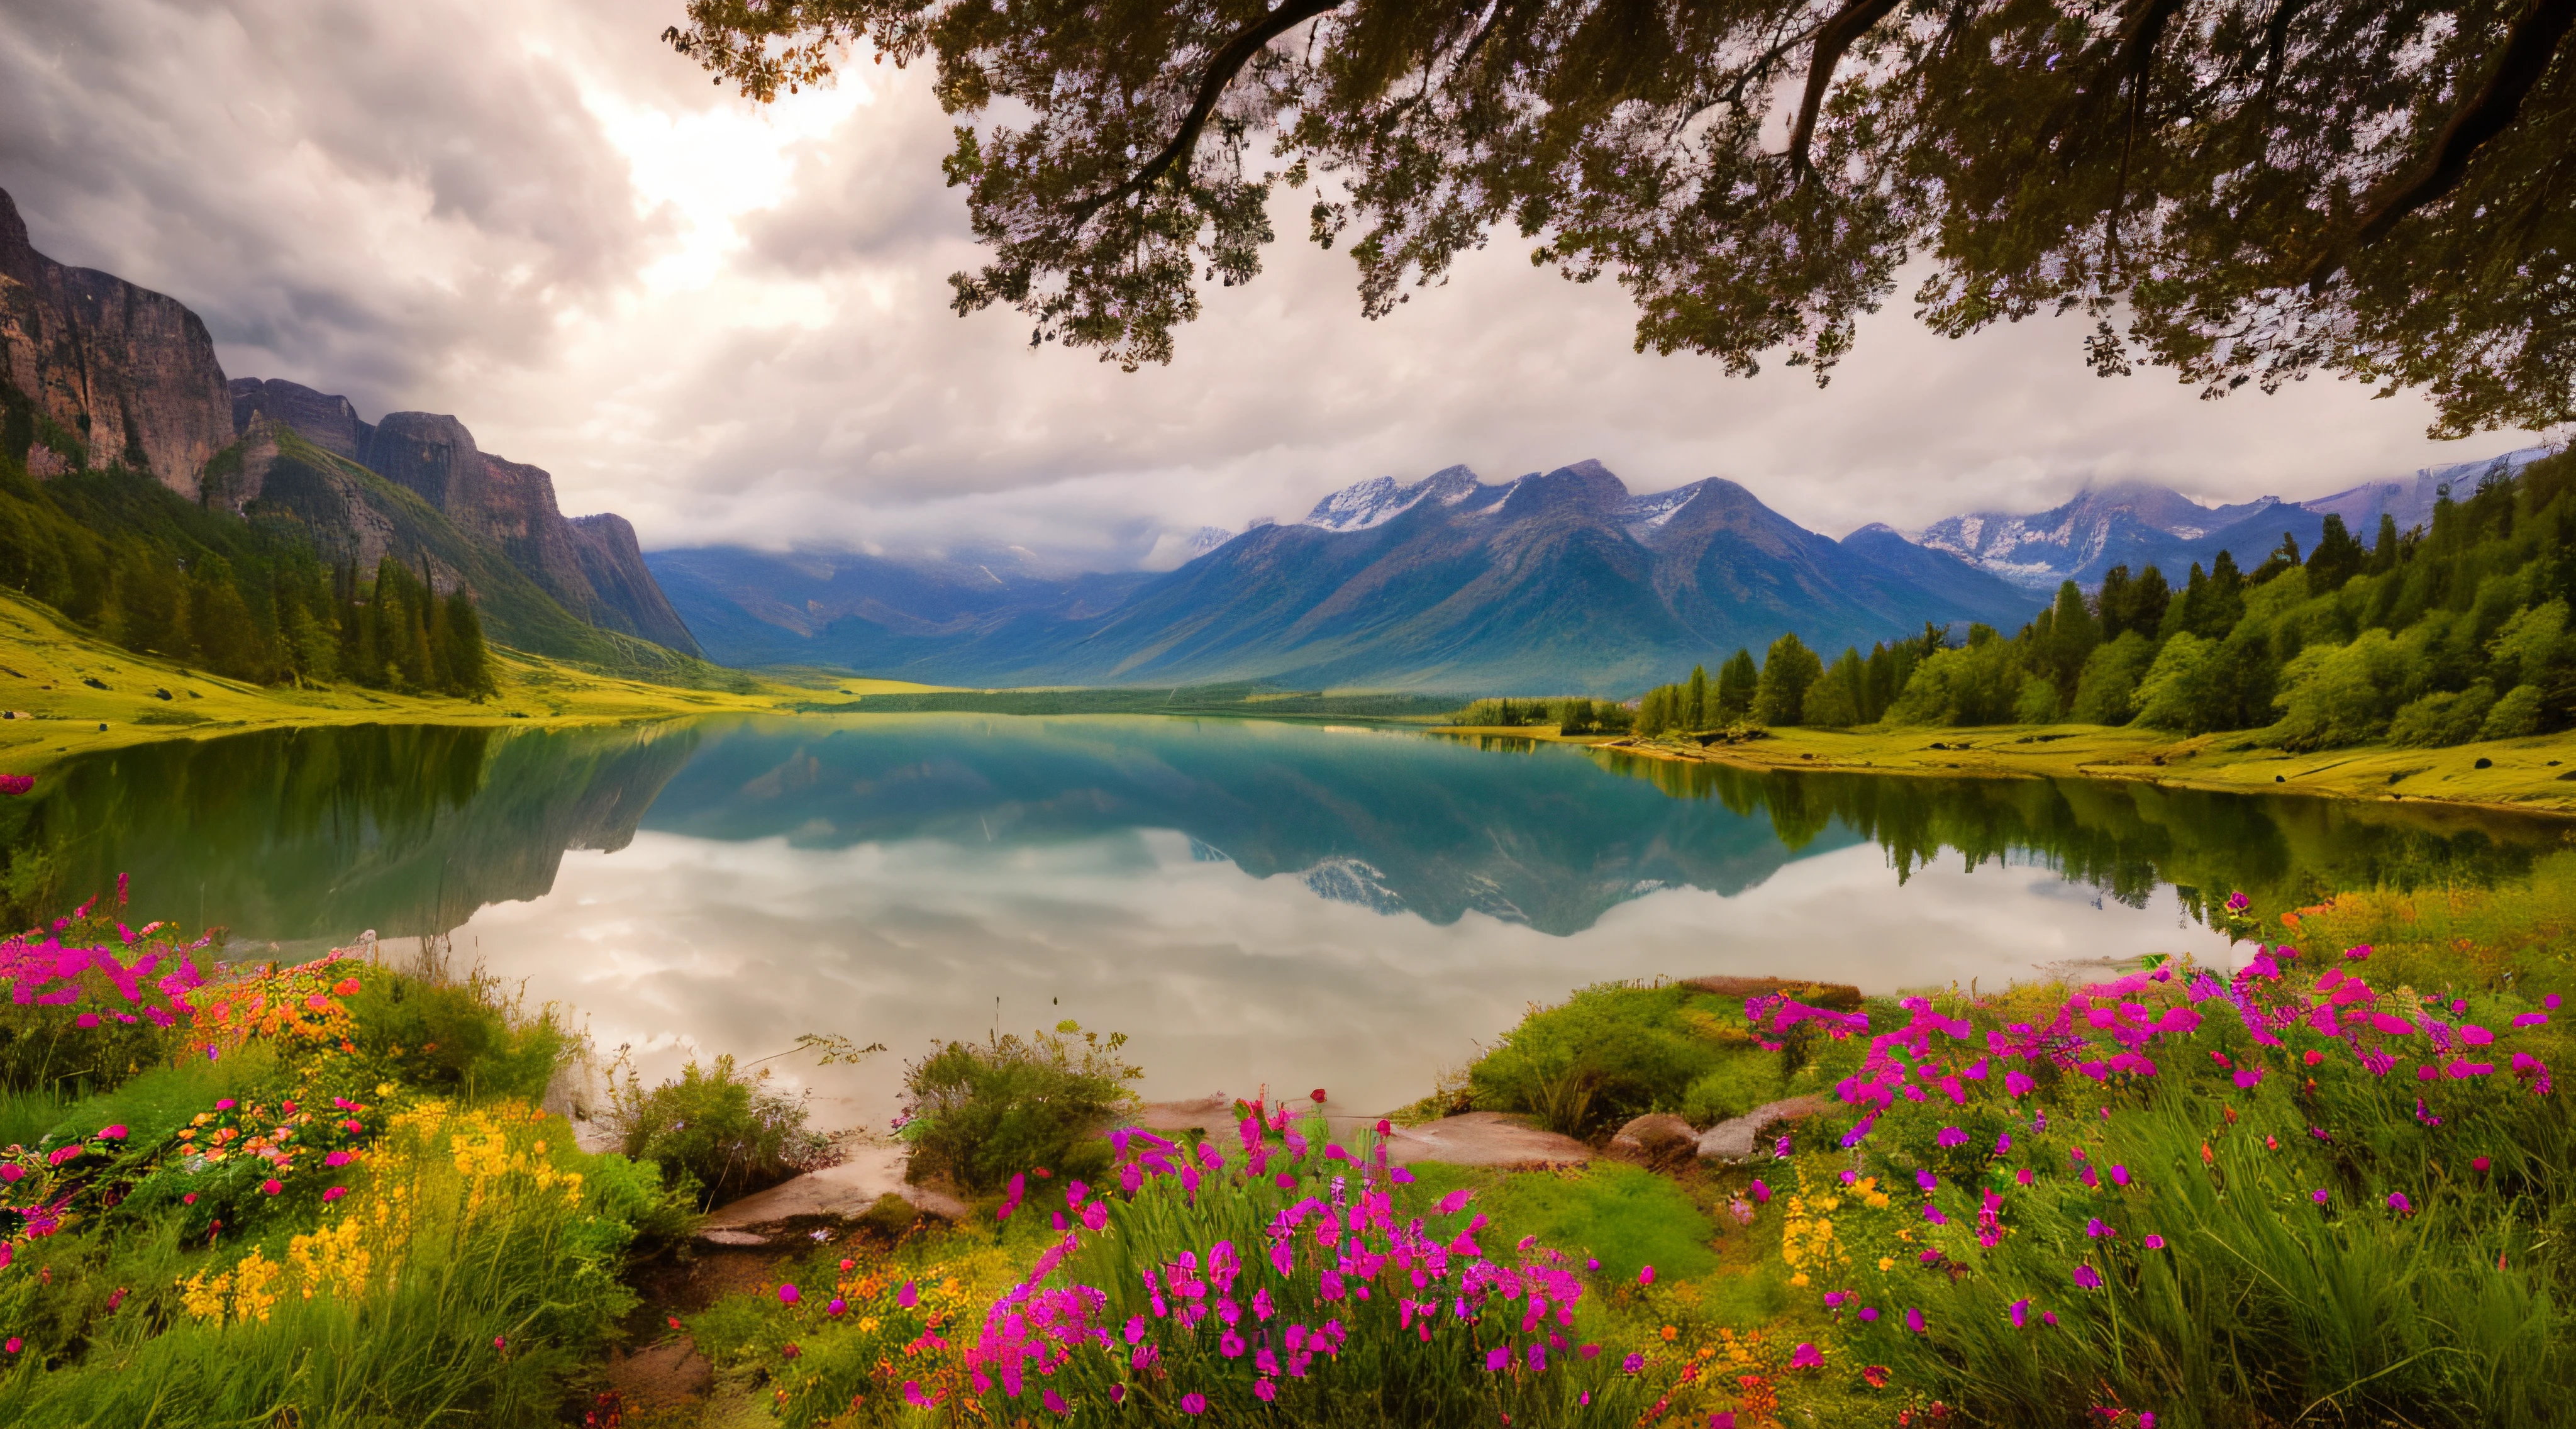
{"points": [[1296, 904]]}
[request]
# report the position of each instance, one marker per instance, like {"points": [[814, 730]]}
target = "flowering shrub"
{"points": [[1284, 1279], [2271, 1191], [87, 997]]}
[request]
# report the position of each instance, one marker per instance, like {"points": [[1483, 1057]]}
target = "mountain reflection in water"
{"points": [[1247, 898]]}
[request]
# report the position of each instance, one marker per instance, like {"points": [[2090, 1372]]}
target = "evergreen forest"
{"points": [[249, 598], [2453, 631]]}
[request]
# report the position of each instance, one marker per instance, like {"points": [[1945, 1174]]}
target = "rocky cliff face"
{"points": [[592, 566], [614, 562], [110, 373], [97, 372], [328, 422]]}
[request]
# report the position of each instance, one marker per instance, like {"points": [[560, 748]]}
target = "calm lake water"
{"points": [[1297, 904]]}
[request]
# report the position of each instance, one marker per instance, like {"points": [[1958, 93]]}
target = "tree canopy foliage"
{"points": [[2240, 190]]}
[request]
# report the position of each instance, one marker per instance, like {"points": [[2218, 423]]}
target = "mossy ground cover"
{"points": [[47, 669]]}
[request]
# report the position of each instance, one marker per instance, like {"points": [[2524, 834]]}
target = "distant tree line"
{"points": [[2452, 631], [144, 568]]}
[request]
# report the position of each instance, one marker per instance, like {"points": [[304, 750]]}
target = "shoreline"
{"points": [[2524, 776]]}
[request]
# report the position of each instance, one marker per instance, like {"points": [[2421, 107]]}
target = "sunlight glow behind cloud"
{"points": [[731, 322]]}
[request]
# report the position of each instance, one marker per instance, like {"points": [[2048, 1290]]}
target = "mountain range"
{"points": [[97, 373], [1562, 580], [2139, 525]]}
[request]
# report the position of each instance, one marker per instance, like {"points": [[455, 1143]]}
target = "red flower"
{"points": [[1876, 1375]]}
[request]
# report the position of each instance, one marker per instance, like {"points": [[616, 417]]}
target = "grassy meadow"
{"points": [[47, 667], [2530, 773]]}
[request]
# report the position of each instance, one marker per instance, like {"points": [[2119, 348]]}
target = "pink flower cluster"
{"points": [[1241, 1318], [48, 974]]}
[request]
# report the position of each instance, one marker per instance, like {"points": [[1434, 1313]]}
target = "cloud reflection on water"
{"points": [[683, 945]]}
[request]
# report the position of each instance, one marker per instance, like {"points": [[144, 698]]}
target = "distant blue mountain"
{"points": [[1557, 582], [2139, 525]]}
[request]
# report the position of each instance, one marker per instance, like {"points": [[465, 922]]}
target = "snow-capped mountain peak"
{"points": [[1381, 499]]}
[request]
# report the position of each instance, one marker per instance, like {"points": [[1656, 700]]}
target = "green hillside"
{"points": [[269, 596]]}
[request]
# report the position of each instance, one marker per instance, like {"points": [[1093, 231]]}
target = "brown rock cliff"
{"points": [[128, 373]]}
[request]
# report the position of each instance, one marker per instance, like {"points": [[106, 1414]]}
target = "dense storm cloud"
{"points": [[732, 323]]}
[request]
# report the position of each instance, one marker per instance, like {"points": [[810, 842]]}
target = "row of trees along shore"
{"points": [[2452, 631], [248, 600]]}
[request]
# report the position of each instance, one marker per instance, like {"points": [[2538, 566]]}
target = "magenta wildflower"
{"points": [[2397, 1202], [907, 1297], [1914, 1319], [1055, 1403], [2020, 1311], [334, 1194], [2155, 1242], [2088, 1278], [1496, 1358], [2120, 1175], [837, 1306], [789, 1294], [1806, 1356], [1646, 1276], [1454, 1202], [1633, 1363], [2318, 1195], [1950, 1136]]}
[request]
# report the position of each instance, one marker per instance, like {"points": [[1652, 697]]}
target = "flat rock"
{"points": [[846, 1190], [722, 1236], [1484, 1138], [1733, 1140]]}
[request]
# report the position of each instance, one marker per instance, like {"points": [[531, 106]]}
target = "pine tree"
{"points": [[1787, 670], [2337, 559], [1695, 711], [469, 660], [1737, 682]]}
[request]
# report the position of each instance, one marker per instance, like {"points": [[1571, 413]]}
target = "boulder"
{"points": [[1657, 1139], [1736, 1140]]}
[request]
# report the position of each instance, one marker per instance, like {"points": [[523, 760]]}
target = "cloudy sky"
{"points": [[731, 322]]}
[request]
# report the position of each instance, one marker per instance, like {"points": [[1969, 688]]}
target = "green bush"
{"points": [[718, 1133], [1610, 1052], [2443, 718], [980, 1115], [460, 1037], [1735, 1086]]}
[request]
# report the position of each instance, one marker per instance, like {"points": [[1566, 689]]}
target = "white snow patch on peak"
{"points": [[1381, 499]]}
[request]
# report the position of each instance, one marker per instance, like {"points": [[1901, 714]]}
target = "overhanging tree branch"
{"points": [[1847, 25], [1228, 62], [2527, 53]]}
